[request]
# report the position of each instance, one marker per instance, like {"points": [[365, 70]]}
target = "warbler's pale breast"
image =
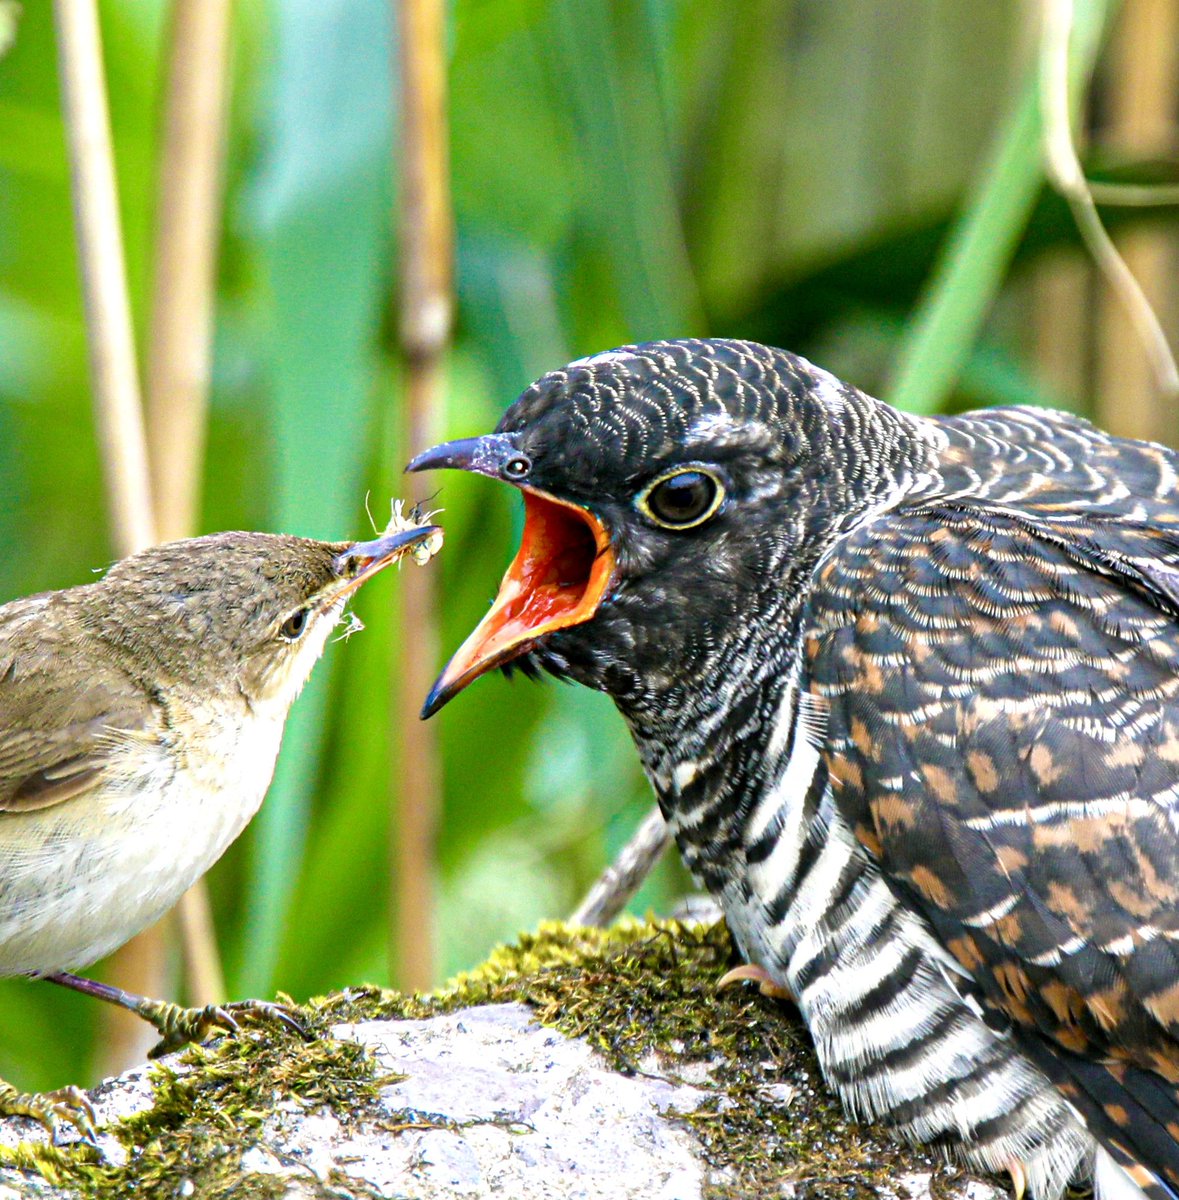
{"points": [[77, 880]]}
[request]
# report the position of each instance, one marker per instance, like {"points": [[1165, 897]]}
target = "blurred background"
{"points": [[860, 181]]}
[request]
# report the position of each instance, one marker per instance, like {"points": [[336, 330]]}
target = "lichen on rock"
{"points": [[572, 1062]]}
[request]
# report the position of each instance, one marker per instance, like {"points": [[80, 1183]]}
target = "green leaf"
{"points": [[980, 247]]}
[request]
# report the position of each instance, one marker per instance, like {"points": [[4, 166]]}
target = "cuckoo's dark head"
{"points": [[675, 492]]}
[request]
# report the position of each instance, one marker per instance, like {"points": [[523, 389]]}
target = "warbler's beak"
{"points": [[557, 579], [362, 560]]}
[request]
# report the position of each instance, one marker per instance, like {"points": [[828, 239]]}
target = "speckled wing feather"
{"points": [[61, 720], [1003, 737]]}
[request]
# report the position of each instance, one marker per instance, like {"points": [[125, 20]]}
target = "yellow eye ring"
{"points": [[681, 499]]}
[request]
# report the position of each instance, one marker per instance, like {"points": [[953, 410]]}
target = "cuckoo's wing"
{"points": [[61, 722], [1003, 736]]}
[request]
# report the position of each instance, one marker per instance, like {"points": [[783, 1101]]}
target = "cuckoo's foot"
{"points": [[766, 983], [178, 1025], [1019, 1178], [50, 1108]]}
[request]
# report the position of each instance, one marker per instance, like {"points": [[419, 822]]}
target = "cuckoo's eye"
{"points": [[685, 498], [292, 628], [517, 466]]}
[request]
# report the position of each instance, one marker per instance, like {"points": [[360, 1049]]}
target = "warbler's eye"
{"points": [[682, 499], [292, 628]]}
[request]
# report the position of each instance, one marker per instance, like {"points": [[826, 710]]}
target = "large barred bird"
{"points": [[908, 691]]}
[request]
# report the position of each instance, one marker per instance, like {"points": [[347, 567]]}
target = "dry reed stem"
{"points": [[110, 340], [188, 222], [425, 327], [625, 875], [1064, 170], [139, 966]]}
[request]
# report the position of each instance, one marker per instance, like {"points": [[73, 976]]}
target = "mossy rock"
{"points": [[748, 1102]]}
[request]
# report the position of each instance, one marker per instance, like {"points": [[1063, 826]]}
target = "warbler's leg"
{"points": [[175, 1023], [49, 1108]]}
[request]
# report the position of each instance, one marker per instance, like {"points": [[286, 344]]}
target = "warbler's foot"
{"points": [[178, 1025], [69, 1104], [766, 983]]}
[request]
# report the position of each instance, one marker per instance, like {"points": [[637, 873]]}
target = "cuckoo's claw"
{"points": [[1019, 1178], [179, 1025], [51, 1108], [766, 983]]}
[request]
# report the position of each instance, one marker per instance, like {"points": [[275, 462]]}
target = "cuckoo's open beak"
{"points": [[557, 579]]}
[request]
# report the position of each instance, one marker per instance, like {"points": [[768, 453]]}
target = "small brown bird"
{"points": [[140, 719]]}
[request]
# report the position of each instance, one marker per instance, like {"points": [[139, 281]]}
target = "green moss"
{"points": [[649, 988], [636, 991], [192, 1139]]}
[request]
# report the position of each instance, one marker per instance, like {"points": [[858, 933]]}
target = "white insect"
{"points": [[400, 521]]}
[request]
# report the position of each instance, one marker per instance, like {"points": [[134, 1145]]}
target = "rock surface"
{"points": [[492, 1102], [479, 1101]]}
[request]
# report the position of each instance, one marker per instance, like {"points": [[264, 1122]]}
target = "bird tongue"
{"points": [[557, 579]]}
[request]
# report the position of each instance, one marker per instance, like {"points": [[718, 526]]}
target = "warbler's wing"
{"points": [[60, 723], [1004, 738]]}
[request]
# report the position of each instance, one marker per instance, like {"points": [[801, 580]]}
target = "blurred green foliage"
{"points": [[778, 169]]}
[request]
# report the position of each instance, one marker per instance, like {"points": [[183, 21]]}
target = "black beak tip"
{"points": [[435, 700], [421, 462], [454, 455]]}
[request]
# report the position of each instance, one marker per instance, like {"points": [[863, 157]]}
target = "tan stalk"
{"points": [[188, 219], [1140, 104], [115, 384], [625, 875], [110, 339], [1060, 324], [1135, 195], [1065, 172], [425, 326]]}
